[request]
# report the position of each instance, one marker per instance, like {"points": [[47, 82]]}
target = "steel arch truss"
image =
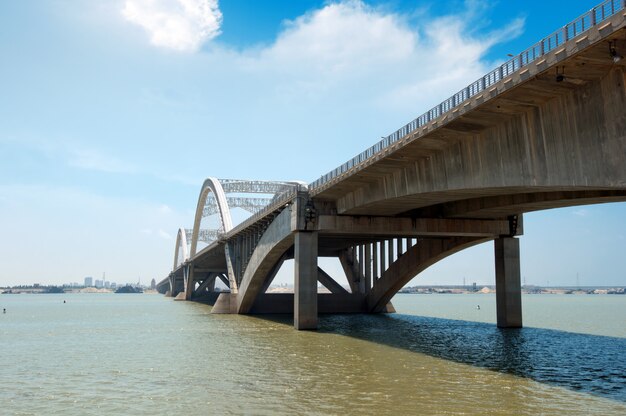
{"points": [[213, 200], [252, 205], [181, 247], [210, 185]]}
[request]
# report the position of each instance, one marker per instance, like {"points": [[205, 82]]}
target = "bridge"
{"points": [[545, 129]]}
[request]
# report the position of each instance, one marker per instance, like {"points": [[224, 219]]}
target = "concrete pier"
{"points": [[508, 288], [305, 280]]}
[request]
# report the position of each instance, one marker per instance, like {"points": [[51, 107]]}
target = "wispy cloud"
{"points": [[71, 153], [91, 159], [165, 209], [164, 235], [91, 232], [581, 212], [182, 25], [160, 233]]}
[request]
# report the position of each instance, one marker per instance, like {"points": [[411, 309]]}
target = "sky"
{"points": [[113, 113]]}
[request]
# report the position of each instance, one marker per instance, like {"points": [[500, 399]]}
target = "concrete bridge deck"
{"points": [[544, 130]]}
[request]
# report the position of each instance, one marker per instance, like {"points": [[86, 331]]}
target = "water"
{"points": [[148, 355]]}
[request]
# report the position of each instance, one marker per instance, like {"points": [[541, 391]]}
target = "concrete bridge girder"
{"points": [[567, 143], [378, 226], [505, 205]]}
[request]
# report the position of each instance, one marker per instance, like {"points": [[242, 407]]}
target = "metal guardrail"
{"points": [[279, 201], [580, 25]]}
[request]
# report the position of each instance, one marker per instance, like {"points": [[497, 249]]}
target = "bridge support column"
{"points": [[189, 283], [508, 287], [305, 280]]}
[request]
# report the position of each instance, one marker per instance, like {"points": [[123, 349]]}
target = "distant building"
{"points": [[153, 284], [99, 283], [88, 281], [107, 285]]}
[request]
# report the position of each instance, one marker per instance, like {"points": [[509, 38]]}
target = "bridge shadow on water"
{"points": [[580, 362]]}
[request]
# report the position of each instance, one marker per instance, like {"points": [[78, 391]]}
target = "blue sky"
{"points": [[112, 114]]}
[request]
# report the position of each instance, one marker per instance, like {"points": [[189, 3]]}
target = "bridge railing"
{"points": [[578, 26], [279, 201]]}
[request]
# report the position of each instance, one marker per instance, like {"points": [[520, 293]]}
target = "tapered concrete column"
{"points": [[508, 287], [305, 280], [189, 282]]}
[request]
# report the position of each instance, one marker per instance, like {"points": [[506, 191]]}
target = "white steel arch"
{"points": [[181, 242], [210, 185]]}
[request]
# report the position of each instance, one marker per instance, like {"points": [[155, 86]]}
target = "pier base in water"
{"points": [[508, 287]]}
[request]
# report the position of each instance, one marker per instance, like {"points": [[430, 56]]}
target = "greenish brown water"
{"points": [[147, 355]]}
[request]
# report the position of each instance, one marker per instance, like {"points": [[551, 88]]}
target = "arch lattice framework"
{"points": [[210, 185], [213, 200]]}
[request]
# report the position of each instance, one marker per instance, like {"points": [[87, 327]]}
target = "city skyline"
{"points": [[110, 122]]}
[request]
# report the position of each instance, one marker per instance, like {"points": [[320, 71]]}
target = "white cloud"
{"points": [[364, 51], [340, 37], [182, 25]]}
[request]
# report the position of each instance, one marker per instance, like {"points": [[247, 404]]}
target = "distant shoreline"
{"points": [[45, 291], [487, 289], [527, 290], [424, 290]]}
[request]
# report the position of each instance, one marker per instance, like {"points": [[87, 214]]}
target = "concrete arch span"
{"points": [[276, 240], [417, 259], [210, 185]]}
